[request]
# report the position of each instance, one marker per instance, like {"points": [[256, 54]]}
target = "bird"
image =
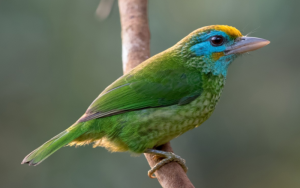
{"points": [[160, 99]]}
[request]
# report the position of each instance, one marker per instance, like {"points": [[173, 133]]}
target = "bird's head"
{"points": [[213, 48]]}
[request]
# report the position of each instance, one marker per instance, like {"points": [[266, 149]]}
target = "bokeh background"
{"points": [[56, 57]]}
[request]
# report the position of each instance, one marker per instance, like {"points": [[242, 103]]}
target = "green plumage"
{"points": [[165, 96], [52, 145], [169, 82]]}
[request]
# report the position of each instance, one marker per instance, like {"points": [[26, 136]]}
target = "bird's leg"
{"points": [[168, 157]]}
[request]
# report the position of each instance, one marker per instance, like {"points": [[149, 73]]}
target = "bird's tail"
{"points": [[44, 151]]}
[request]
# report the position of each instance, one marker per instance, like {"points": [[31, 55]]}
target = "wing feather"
{"points": [[136, 91]]}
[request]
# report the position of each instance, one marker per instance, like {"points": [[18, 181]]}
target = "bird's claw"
{"points": [[169, 157]]}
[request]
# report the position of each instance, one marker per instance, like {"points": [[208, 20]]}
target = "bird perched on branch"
{"points": [[162, 98]]}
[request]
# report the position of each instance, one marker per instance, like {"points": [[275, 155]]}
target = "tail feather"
{"points": [[44, 151]]}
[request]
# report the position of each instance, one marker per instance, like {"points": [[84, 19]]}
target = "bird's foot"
{"points": [[168, 157]]}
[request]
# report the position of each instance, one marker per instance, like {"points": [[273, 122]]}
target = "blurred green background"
{"points": [[56, 57]]}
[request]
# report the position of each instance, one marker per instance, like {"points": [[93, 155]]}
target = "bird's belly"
{"points": [[151, 127], [156, 126]]}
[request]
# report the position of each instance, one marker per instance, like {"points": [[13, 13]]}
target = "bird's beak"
{"points": [[246, 44]]}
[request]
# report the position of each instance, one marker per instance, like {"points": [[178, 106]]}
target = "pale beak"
{"points": [[246, 44]]}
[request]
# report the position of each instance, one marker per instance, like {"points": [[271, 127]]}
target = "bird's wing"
{"points": [[146, 90]]}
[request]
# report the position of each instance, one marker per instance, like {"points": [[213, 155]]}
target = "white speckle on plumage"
{"points": [[208, 95], [206, 102]]}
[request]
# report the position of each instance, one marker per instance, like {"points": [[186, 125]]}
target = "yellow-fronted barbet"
{"points": [[162, 98]]}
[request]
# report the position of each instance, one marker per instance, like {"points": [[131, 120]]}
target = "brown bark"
{"points": [[135, 33], [135, 50]]}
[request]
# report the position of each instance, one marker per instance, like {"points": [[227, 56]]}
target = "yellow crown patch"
{"points": [[229, 30]]}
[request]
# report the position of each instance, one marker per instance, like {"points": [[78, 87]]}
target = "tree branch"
{"points": [[135, 50], [135, 33]]}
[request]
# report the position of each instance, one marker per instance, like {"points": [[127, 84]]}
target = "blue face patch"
{"points": [[221, 65], [206, 49]]}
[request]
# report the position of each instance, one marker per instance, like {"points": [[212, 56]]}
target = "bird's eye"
{"points": [[217, 40]]}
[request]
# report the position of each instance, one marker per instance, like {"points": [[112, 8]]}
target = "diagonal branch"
{"points": [[135, 33], [136, 49]]}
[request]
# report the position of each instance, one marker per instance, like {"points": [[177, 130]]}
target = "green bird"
{"points": [[162, 98]]}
